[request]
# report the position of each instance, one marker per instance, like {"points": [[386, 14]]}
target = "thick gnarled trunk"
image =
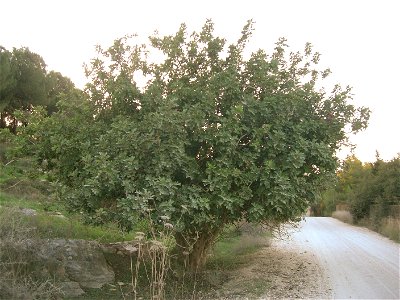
{"points": [[194, 247]]}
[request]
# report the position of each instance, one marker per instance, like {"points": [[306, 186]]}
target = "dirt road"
{"points": [[357, 262]]}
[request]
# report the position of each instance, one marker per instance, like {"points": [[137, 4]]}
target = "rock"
{"points": [[28, 212], [122, 248], [58, 215], [77, 264], [71, 289], [72, 265]]}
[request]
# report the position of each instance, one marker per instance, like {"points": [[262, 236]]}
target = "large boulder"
{"points": [[75, 264]]}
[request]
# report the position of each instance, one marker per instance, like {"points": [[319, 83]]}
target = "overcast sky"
{"points": [[358, 40]]}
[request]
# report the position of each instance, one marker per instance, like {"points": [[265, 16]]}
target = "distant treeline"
{"points": [[362, 186]]}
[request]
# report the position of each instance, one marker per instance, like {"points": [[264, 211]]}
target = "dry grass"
{"points": [[17, 243], [391, 228], [232, 249], [343, 215], [250, 243]]}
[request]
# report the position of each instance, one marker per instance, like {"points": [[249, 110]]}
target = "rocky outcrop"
{"points": [[121, 248], [75, 264]]}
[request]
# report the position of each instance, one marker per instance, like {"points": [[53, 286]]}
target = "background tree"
{"points": [[7, 83], [351, 175], [30, 89], [211, 139], [25, 84], [58, 86]]}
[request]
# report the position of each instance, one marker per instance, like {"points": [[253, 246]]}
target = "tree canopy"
{"points": [[212, 138]]}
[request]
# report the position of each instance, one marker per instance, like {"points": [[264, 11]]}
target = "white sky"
{"points": [[358, 40]]}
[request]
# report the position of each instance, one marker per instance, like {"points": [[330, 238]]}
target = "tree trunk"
{"points": [[194, 247], [3, 123], [13, 125]]}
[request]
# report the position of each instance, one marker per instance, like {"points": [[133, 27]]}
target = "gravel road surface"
{"points": [[358, 263]]}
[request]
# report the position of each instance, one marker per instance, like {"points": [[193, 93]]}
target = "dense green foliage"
{"points": [[361, 185], [25, 83], [212, 137]]}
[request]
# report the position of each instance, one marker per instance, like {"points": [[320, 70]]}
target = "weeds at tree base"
{"points": [[231, 252]]}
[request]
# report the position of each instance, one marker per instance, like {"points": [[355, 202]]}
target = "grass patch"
{"points": [[48, 226], [234, 251], [386, 226], [42, 204], [55, 226], [234, 248]]}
